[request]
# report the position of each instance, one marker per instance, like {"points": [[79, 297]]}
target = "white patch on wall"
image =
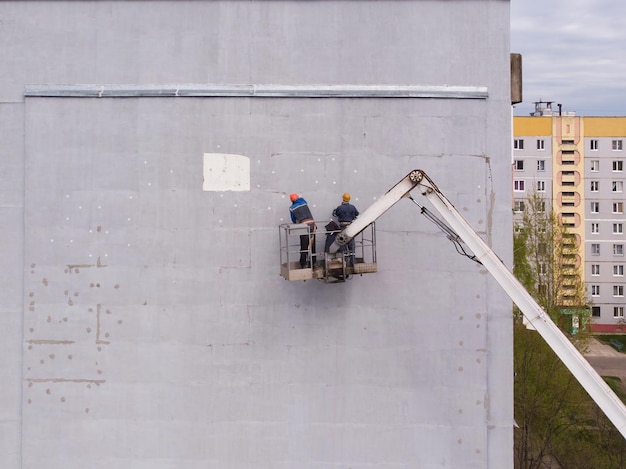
{"points": [[226, 172]]}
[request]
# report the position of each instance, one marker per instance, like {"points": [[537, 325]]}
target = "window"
{"points": [[595, 207], [618, 228], [541, 186], [618, 249], [518, 206], [595, 186], [595, 249], [595, 311], [617, 186], [540, 144], [595, 269], [519, 165], [593, 144], [543, 269], [595, 228], [567, 142], [618, 270], [541, 248], [595, 290], [618, 207], [595, 165], [541, 165], [616, 145], [618, 290], [519, 185], [518, 143], [618, 166], [618, 311]]}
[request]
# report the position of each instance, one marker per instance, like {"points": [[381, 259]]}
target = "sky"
{"points": [[573, 53]]}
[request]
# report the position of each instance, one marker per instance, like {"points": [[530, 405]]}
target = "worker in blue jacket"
{"points": [[345, 214], [300, 213]]}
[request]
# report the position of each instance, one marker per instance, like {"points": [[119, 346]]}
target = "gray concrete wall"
{"points": [[145, 323]]}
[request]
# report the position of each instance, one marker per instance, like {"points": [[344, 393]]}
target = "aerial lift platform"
{"points": [[330, 267]]}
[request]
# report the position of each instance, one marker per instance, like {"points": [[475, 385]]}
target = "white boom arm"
{"points": [[375, 210], [591, 381]]}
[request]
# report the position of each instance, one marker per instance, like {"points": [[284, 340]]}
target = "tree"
{"points": [[559, 426], [547, 261]]}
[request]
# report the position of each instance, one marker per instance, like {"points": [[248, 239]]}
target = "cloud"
{"points": [[572, 53]]}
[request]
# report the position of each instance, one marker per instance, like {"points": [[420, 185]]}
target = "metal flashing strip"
{"points": [[261, 91]]}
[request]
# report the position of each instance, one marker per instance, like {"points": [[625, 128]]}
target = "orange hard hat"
{"points": [[346, 197], [294, 197]]}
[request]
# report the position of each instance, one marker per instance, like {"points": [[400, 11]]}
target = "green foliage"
{"points": [[615, 383], [547, 261], [559, 424], [608, 339]]}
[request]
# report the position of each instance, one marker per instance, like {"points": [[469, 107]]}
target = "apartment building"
{"points": [[577, 164]]}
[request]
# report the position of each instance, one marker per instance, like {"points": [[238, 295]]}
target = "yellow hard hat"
{"points": [[346, 197]]}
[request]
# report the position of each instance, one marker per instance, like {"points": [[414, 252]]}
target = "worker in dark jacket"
{"points": [[346, 213], [300, 213]]}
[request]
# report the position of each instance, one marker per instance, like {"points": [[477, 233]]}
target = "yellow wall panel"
{"points": [[605, 126], [528, 126]]}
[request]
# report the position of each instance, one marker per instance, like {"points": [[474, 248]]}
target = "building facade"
{"points": [[147, 155], [577, 164]]}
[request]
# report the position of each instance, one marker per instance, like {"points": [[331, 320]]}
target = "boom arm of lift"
{"points": [[591, 381]]}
